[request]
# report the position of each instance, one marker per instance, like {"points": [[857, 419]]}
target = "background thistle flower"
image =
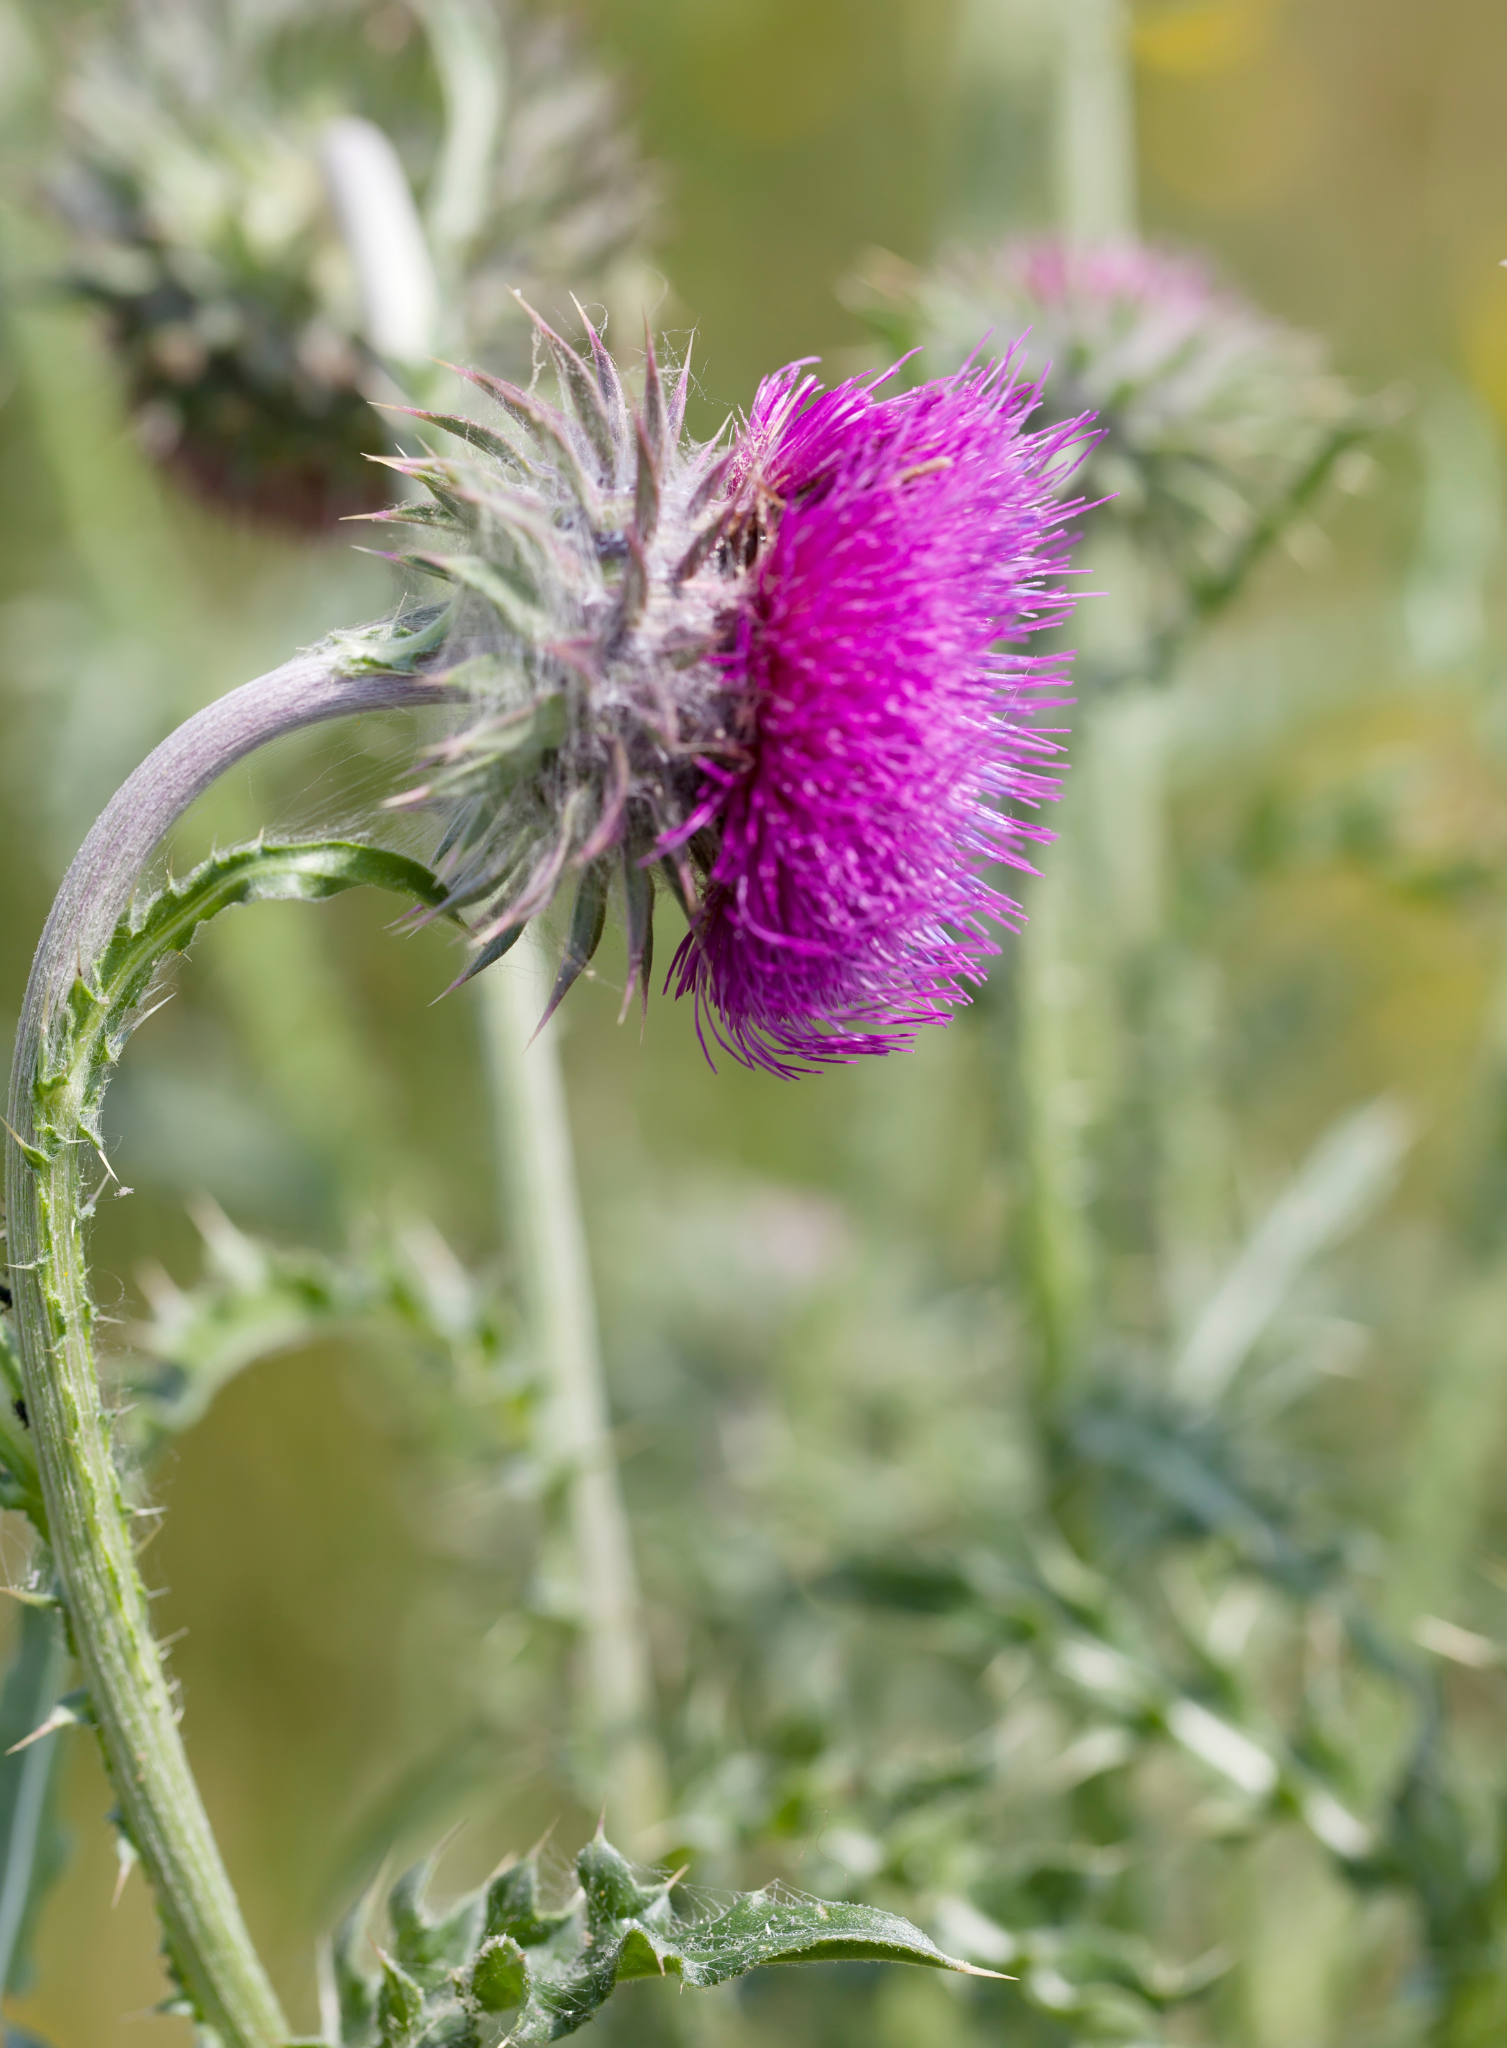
{"points": [[788, 674], [1217, 423], [197, 175]]}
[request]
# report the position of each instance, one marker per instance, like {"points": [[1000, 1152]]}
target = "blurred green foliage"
{"points": [[1061, 1460]]}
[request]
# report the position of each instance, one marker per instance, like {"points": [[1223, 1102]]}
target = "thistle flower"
{"points": [[786, 672], [197, 180], [1217, 422]]}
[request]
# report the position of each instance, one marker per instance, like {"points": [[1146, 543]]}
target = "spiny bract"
{"points": [[784, 671]]}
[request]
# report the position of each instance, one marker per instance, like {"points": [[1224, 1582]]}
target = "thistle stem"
{"points": [[1096, 171], [89, 1527], [542, 1214], [1096, 200]]}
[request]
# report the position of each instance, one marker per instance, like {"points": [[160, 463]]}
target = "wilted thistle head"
{"points": [[195, 176], [784, 669], [1217, 423]]}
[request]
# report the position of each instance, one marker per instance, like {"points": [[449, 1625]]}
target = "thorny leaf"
{"points": [[256, 1300], [448, 1979], [587, 921], [1089, 1647], [103, 1006]]}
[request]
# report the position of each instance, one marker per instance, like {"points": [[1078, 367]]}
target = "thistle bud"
{"points": [[1217, 422], [783, 670], [209, 158]]}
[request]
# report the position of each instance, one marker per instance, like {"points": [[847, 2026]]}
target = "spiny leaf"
{"points": [[395, 645], [499, 1978], [424, 1945], [400, 2004], [257, 1300], [513, 1905], [677, 874], [553, 1971], [490, 954], [545, 423], [676, 394], [411, 513], [698, 552], [101, 1010], [355, 1994], [304, 871], [507, 744], [616, 782], [469, 431]]}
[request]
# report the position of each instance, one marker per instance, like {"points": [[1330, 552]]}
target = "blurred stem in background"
{"points": [[1051, 986], [1096, 169], [542, 1213], [1095, 197], [536, 1170]]}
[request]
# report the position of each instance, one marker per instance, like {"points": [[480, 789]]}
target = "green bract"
{"points": [[583, 542]]}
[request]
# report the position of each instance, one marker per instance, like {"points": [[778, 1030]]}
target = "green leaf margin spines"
{"points": [[447, 1978], [102, 1008]]}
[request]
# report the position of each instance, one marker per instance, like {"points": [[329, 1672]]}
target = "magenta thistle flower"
{"points": [[789, 675], [908, 545]]}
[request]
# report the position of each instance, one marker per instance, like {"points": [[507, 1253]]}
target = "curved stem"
{"points": [[543, 1215], [88, 1522]]}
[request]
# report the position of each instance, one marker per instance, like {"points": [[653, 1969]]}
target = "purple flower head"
{"points": [[787, 676], [906, 546]]}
